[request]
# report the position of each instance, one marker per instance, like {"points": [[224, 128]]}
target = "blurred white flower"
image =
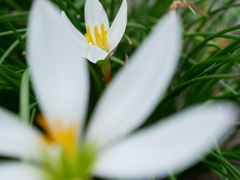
{"points": [[100, 40], [106, 149]]}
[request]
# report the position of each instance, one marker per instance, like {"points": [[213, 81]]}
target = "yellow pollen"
{"points": [[101, 39], [65, 136]]}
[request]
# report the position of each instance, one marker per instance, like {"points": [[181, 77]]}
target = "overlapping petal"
{"points": [[19, 171], [59, 74], [118, 27], [17, 139], [95, 14], [168, 146], [80, 38], [136, 90], [95, 53]]}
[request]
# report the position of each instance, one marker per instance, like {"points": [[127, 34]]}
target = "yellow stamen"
{"points": [[104, 37], [64, 136], [101, 39], [89, 36], [97, 37]]}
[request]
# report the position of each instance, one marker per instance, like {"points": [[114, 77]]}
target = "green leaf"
{"points": [[24, 97]]}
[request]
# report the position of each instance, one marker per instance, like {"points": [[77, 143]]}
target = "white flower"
{"points": [[100, 40], [106, 149]]}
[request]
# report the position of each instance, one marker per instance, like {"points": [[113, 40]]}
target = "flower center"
{"points": [[64, 136], [99, 39], [64, 157]]}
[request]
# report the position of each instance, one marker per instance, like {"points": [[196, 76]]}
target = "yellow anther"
{"points": [[97, 37], [104, 37], [89, 36], [101, 39]]}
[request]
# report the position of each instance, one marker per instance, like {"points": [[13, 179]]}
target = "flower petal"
{"points": [[95, 54], [18, 140], [95, 14], [80, 38], [59, 74], [137, 89], [118, 26], [19, 171], [168, 146]]}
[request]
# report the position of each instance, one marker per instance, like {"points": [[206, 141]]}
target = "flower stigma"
{"points": [[99, 39], [63, 156]]}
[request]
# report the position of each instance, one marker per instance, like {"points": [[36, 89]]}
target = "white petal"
{"points": [[80, 38], [118, 27], [17, 139], [95, 14], [168, 146], [137, 89], [19, 171], [59, 73], [95, 54]]}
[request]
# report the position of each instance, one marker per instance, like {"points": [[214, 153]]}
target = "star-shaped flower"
{"points": [[100, 40], [106, 148]]}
